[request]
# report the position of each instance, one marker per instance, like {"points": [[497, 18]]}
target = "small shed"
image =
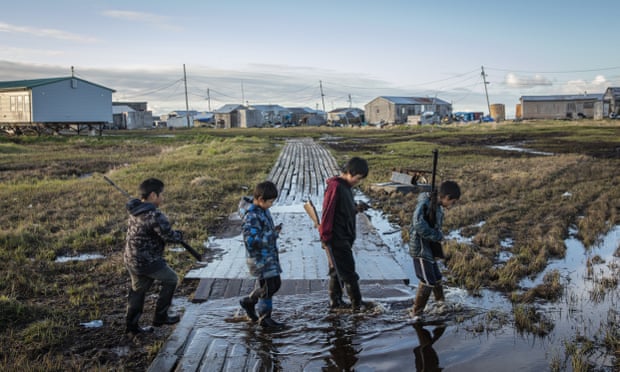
{"points": [[346, 116], [227, 116], [55, 103], [131, 115]]}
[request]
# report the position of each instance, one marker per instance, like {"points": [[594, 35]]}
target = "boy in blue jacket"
{"points": [[421, 235], [260, 235]]}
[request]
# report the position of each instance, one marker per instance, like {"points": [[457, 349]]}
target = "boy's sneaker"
{"points": [[247, 305]]}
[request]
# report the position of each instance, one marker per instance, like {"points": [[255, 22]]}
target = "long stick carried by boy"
{"points": [[187, 247], [314, 216]]}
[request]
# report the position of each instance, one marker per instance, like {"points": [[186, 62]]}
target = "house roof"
{"points": [[119, 109], [227, 109], [564, 97], [268, 107], [29, 84], [415, 100]]}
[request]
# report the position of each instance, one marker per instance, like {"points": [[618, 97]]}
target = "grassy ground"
{"points": [[55, 203]]}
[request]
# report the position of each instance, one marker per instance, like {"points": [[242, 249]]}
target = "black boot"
{"points": [[248, 304], [335, 294], [163, 304], [353, 291], [267, 322], [135, 304]]}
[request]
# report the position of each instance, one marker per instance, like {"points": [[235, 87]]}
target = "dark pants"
{"points": [[264, 290], [140, 284], [345, 268]]}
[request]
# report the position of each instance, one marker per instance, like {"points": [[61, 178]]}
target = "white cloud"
{"points": [[45, 33], [512, 80], [148, 18]]}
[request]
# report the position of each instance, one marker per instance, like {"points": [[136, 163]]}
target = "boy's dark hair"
{"points": [[356, 166], [451, 189], [151, 185], [267, 190]]}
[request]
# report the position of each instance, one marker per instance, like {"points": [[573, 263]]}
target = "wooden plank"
{"points": [[233, 288], [195, 350], [398, 177], [287, 288], [215, 358], [237, 358], [219, 288], [204, 289]]}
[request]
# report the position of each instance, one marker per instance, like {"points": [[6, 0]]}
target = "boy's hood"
{"points": [[137, 206], [337, 179]]}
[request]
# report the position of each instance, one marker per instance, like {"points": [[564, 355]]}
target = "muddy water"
{"points": [[473, 334]]}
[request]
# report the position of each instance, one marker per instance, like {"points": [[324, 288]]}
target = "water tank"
{"points": [[498, 112], [518, 111]]}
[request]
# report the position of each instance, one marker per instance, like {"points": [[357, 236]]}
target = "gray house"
{"points": [[567, 106], [396, 110], [611, 102], [131, 115], [54, 103]]}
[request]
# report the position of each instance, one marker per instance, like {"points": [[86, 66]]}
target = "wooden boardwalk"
{"points": [[300, 173]]}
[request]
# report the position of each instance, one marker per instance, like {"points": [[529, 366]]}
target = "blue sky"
{"points": [[276, 52]]}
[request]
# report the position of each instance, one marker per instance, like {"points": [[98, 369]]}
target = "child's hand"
{"points": [[278, 228]]}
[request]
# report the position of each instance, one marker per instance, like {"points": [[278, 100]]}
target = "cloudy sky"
{"points": [[282, 52]]}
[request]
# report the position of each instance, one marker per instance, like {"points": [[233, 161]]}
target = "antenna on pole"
{"points": [[72, 72], [186, 101], [484, 79]]}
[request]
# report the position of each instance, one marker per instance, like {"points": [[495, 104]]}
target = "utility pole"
{"points": [[209, 99], [186, 101], [484, 79], [323, 98], [242, 93], [350, 102]]}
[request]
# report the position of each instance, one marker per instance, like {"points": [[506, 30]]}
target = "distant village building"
{"points": [[54, 103], [611, 103], [346, 116], [131, 115], [568, 106], [180, 119], [306, 116], [227, 116], [396, 110], [272, 114]]}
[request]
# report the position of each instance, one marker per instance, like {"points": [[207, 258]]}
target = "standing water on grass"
{"points": [[473, 334]]}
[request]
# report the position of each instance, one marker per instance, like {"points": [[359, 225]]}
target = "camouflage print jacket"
{"points": [[421, 233], [147, 233], [261, 249]]}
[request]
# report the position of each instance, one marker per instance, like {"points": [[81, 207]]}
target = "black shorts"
{"points": [[426, 271]]}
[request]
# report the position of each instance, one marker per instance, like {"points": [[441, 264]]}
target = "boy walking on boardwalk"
{"points": [[337, 231], [260, 237], [147, 234], [421, 236]]}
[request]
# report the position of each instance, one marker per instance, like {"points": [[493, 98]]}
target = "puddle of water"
{"points": [[479, 337], [82, 257], [521, 149]]}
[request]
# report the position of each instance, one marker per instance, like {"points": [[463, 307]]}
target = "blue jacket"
{"points": [[261, 248], [421, 233]]}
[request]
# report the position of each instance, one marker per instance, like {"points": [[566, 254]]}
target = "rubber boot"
{"points": [[248, 304], [438, 292], [264, 315], [335, 294], [353, 291], [163, 304], [421, 298], [135, 305]]}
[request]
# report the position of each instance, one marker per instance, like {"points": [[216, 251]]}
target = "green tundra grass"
{"points": [[55, 202]]}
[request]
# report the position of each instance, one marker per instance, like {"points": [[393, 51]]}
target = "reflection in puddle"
{"points": [[521, 149]]}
